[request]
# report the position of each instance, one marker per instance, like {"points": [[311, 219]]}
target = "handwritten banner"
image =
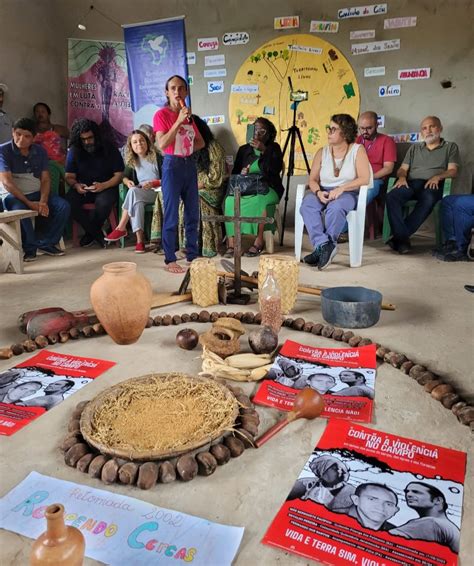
{"points": [[214, 87], [286, 22], [248, 89], [305, 49], [235, 38], [213, 73], [362, 34], [413, 74], [118, 529], [411, 137], [391, 90], [374, 71], [395, 23], [321, 26], [214, 120], [214, 60], [208, 43], [375, 46], [362, 11]]}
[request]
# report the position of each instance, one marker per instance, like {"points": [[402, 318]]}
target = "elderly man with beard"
{"points": [[329, 488], [420, 177]]}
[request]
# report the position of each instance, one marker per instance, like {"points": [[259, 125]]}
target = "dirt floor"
{"points": [[432, 325]]}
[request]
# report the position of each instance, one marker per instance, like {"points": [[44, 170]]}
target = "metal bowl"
{"points": [[351, 307]]}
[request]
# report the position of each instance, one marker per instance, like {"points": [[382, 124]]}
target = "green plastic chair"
{"points": [[148, 208], [410, 205]]}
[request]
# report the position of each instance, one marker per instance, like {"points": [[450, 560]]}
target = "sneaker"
{"points": [[115, 235], [139, 248], [328, 251], [86, 241], [30, 256], [313, 257], [51, 250], [456, 255], [404, 248], [392, 244]]}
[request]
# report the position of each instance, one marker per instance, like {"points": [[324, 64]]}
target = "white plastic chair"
{"points": [[355, 221]]}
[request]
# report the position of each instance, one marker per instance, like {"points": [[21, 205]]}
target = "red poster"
{"points": [[344, 376], [374, 499], [37, 385]]}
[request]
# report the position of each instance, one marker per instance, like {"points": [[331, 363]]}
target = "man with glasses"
{"points": [[25, 184]]}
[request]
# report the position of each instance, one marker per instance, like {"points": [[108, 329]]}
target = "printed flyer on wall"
{"points": [[40, 383], [119, 530], [370, 498], [344, 376]]}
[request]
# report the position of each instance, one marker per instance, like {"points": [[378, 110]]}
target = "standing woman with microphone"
{"points": [[178, 138]]}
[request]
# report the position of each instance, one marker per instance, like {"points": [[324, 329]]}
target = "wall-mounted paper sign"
{"points": [[214, 60], [213, 87], [248, 89], [191, 58], [235, 38], [381, 121], [374, 71], [286, 22], [362, 34], [214, 120], [391, 90], [321, 26], [395, 23], [208, 43], [362, 11], [190, 80], [411, 137], [213, 73], [305, 49], [412, 74], [375, 46], [269, 110]]}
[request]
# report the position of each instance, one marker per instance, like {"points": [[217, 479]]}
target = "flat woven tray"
{"points": [[158, 416]]}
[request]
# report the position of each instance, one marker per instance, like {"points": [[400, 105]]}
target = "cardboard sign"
{"points": [[413, 74], [305, 49], [286, 22], [212, 73], [411, 137], [391, 90], [321, 26], [374, 71], [214, 120], [214, 87], [208, 44], [235, 38], [247, 89], [395, 23], [362, 11], [214, 60], [191, 58], [362, 34], [375, 46]]}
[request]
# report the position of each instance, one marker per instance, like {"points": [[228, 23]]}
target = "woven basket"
{"points": [[204, 282], [286, 272]]}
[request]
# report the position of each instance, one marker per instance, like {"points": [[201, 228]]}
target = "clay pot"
{"points": [[59, 545], [121, 298]]}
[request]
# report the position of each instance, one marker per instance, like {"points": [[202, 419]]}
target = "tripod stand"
{"points": [[293, 131]]}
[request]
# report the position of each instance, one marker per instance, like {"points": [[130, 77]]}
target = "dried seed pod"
{"points": [[214, 316], [235, 446], [337, 334], [416, 371], [149, 322], [92, 319], [250, 426], [41, 341], [441, 390], [431, 384], [244, 401], [258, 318], [327, 331], [245, 437], [298, 323], [177, 319], [166, 320], [317, 329], [83, 463], [18, 349], [287, 322], [354, 341], [206, 462], [99, 329], [63, 336], [406, 367], [29, 345], [75, 453], [147, 475], [185, 317], [458, 406], [221, 453], [128, 473], [87, 331], [157, 320], [166, 472], [230, 314], [250, 418], [424, 377], [187, 467], [109, 472], [204, 316], [69, 441], [74, 425], [380, 352], [74, 333], [397, 360], [248, 317], [239, 315], [308, 327], [348, 334], [449, 400], [466, 415], [194, 316], [363, 342], [95, 467]]}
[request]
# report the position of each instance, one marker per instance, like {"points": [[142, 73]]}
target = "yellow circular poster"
{"points": [[323, 83]]}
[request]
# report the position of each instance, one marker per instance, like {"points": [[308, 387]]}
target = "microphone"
{"points": [[182, 105]]}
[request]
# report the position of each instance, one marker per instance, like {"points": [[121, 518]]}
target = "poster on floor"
{"points": [[372, 498], [118, 529], [98, 87], [40, 383], [345, 377], [155, 51]]}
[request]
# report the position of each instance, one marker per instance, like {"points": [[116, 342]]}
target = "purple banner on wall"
{"points": [[155, 51]]}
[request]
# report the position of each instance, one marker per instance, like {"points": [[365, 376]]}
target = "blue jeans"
{"points": [[179, 181], [457, 217], [52, 227], [372, 194]]}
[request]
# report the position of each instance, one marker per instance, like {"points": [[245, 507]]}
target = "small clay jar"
{"points": [[59, 545], [121, 298]]}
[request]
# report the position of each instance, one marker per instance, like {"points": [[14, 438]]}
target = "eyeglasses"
{"points": [[366, 128], [260, 131], [331, 129], [88, 138]]}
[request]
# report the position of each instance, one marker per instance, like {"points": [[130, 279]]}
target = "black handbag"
{"points": [[249, 185]]}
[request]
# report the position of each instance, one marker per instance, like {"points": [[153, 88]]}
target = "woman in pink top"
{"points": [[178, 138]]}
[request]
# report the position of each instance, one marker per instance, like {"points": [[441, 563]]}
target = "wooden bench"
{"points": [[11, 250]]}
